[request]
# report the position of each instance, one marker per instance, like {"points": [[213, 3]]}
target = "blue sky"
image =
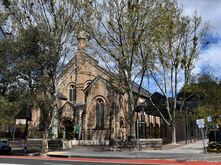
{"points": [[209, 10], [209, 56]]}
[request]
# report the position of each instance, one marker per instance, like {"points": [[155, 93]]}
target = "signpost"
{"points": [[201, 126], [200, 123], [209, 120]]}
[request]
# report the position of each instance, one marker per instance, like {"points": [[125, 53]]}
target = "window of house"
{"points": [[99, 113], [72, 93]]}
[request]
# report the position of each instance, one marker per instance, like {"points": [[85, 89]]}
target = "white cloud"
{"points": [[211, 57], [210, 11]]}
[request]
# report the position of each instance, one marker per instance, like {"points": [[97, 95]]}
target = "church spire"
{"points": [[81, 41]]}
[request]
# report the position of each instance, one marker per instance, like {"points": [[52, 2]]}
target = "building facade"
{"points": [[92, 105]]}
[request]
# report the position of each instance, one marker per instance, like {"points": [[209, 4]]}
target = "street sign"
{"points": [[201, 126], [200, 123], [209, 118], [20, 121]]}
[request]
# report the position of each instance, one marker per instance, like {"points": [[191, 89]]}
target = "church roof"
{"points": [[142, 92], [88, 58], [93, 82], [60, 96], [75, 106]]}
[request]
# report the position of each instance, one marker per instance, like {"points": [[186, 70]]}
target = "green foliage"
{"points": [[139, 36], [42, 34], [7, 111], [207, 92], [124, 32]]}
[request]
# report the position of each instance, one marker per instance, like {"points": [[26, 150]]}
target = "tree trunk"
{"points": [[132, 127], [131, 111], [54, 119], [54, 124], [174, 133], [174, 108], [45, 141]]}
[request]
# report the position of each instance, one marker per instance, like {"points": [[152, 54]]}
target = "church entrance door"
{"points": [[68, 130]]}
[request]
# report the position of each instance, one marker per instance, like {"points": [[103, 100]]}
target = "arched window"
{"points": [[72, 93], [99, 113]]}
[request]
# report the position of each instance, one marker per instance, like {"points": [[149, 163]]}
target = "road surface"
{"points": [[43, 160]]}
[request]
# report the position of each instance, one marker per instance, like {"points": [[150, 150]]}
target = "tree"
{"points": [[207, 93], [147, 37], [13, 93], [176, 43], [7, 101], [118, 30], [48, 29]]}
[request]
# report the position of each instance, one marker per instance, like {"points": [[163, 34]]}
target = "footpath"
{"points": [[179, 152]]}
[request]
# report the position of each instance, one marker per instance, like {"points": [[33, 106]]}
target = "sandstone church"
{"points": [[91, 104]]}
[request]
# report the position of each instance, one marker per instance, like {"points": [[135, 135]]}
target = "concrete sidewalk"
{"points": [[180, 152]]}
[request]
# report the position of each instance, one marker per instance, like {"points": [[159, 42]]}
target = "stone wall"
{"points": [[36, 144], [148, 144], [138, 144], [90, 142]]}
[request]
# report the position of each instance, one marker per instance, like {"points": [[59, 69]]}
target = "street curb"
{"points": [[59, 156], [200, 158], [132, 158], [109, 157], [25, 154], [97, 156], [34, 154]]}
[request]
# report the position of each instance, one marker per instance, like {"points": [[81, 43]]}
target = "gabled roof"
{"points": [[71, 62], [143, 92], [24, 114], [60, 96], [93, 82], [75, 106], [159, 106], [150, 109]]}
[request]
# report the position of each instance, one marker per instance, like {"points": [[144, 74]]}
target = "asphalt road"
{"points": [[27, 161], [43, 162]]}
